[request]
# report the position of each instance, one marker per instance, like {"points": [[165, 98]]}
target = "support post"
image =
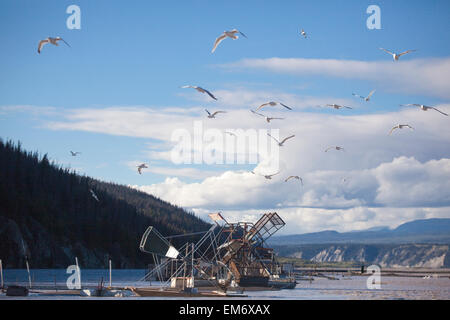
{"points": [[78, 271], [1, 273], [28, 270], [192, 266], [110, 274]]}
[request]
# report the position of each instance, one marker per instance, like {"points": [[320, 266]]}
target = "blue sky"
{"points": [[137, 54]]}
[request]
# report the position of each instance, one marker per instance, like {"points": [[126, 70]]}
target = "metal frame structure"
{"points": [[227, 253]]}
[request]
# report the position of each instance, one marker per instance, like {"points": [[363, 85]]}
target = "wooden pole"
{"points": [[192, 266], [78, 271], [110, 274], [28, 270], [1, 273], [185, 265]]}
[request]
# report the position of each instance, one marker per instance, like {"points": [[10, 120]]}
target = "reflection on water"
{"points": [[320, 288], [89, 277]]}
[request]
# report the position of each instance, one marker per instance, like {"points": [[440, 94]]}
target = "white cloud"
{"points": [[143, 122], [383, 172], [180, 172], [407, 182], [29, 109], [251, 99], [428, 77], [404, 182], [304, 220]]}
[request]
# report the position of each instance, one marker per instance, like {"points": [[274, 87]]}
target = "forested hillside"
{"points": [[48, 214]]}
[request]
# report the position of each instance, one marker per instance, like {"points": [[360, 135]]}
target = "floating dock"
{"points": [[177, 293]]}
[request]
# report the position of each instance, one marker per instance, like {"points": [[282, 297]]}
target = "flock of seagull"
{"points": [[233, 34]]}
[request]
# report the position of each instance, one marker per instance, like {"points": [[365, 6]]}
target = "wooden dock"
{"points": [[395, 272], [177, 293]]}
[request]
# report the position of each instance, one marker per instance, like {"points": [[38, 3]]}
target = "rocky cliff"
{"points": [[404, 255]]}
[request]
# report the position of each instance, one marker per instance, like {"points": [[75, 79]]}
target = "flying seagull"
{"points": [[94, 195], [269, 176], [268, 119], [336, 106], [365, 98], [212, 116], [51, 40], [230, 34], [199, 89], [423, 107], [272, 104], [295, 177], [231, 133], [74, 154], [396, 56], [335, 147], [282, 142], [400, 126], [303, 33], [140, 167]]}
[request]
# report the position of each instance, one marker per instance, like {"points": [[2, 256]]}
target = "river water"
{"points": [[353, 287]]}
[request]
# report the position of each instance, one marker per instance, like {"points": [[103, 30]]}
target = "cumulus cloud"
{"points": [[425, 76], [407, 182], [365, 137], [404, 182], [402, 176], [303, 220]]}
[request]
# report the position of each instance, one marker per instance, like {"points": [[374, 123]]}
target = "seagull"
{"points": [[231, 133], [396, 56], [51, 40], [212, 116], [336, 147], [303, 33], [336, 106], [269, 176], [400, 126], [282, 142], [268, 119], [423, 107], [94, 195], [295, 177], [230, 34], [74, 154], [140, 167], [365, 98], [199, 89], [272, 104]]}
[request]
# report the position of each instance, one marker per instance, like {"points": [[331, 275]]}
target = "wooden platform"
{"points": [[172, 292], [57, 292]]}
